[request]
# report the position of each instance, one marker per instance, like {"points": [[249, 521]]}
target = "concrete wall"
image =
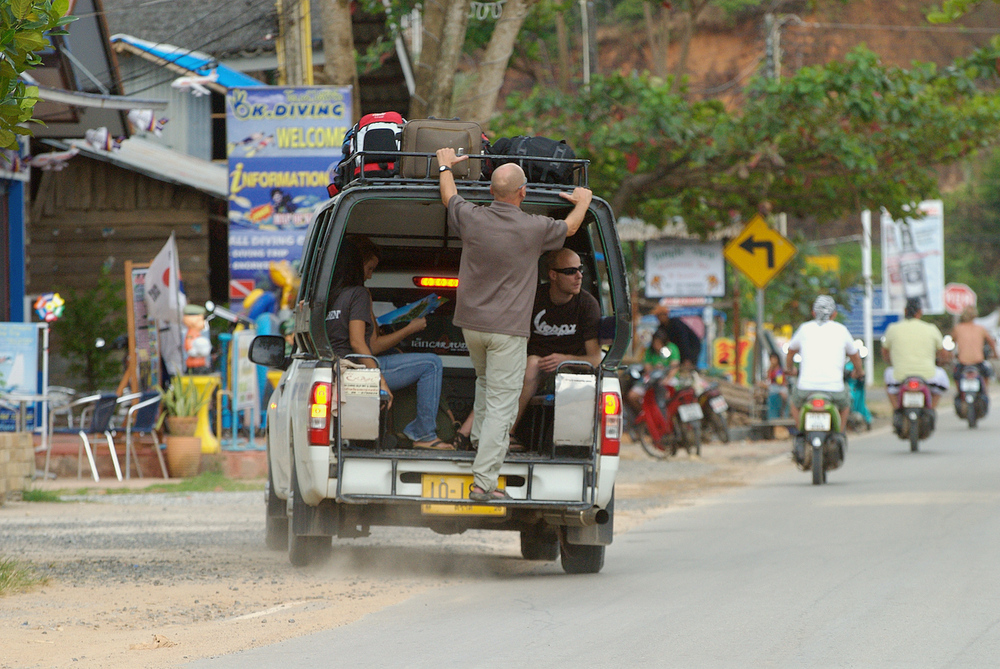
{"points": [[17, 457]]}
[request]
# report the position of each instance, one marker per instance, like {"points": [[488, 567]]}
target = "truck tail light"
{"points": [[320, 402], [611, 423]]}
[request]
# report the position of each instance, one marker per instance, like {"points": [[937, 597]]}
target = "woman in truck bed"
{"points": [[351, 328]]}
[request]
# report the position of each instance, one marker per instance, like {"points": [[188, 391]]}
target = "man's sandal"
{"points": [[496, 495]]}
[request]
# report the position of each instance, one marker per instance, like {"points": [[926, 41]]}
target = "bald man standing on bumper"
{"points": [[496, 289]]}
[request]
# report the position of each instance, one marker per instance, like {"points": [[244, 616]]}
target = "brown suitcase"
{"points": [[430, 134]]}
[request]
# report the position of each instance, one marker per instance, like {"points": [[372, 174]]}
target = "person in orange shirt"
{"points": [[971, 341]]}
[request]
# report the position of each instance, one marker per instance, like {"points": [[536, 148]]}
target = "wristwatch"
{"points": [[444, 168]]}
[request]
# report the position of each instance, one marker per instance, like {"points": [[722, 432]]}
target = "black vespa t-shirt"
{"points": [[353, 304], [563, 328]]}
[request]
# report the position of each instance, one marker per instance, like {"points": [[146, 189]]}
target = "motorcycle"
{"points": [[715, 408], [820, 446], [971, 401], [914, 419], [670, 417]]}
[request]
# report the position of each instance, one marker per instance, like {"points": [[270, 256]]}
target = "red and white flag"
{"points": [[164, 299]]}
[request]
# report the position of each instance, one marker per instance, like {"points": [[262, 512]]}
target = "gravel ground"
{"points": [[156, 580]]}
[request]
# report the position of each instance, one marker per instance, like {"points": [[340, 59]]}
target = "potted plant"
{"points": [[180, 404]]}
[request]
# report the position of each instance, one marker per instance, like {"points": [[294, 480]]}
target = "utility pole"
{"points": [[588, 27], [295, 66]]}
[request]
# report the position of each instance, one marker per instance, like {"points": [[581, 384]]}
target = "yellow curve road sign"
{"points": [[759, 251]]}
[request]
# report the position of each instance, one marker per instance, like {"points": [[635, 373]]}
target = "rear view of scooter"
{"points": [[971, 401], [820, 445], [914, 419]]}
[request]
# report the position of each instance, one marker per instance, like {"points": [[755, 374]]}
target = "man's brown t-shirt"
{"points": [[499, 268]]}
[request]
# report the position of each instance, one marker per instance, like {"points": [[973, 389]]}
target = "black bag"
{"points": [[537, 171]]}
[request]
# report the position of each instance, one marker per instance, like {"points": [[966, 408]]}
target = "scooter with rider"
{"points": [[913, 380], [820, 402], [972, 372]]}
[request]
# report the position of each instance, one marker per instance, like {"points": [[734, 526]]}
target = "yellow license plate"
{"points": [[440, 486]]}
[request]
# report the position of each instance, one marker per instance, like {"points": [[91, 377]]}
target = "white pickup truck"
{"points": [[337, 466]]}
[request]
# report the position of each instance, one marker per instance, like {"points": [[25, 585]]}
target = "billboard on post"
{"points": [[913, 259], [283, 144], [679, 268]]}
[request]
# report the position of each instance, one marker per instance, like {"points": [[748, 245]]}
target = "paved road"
{"points": [[892, 564]]}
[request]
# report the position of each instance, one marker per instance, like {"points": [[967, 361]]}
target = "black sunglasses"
{"points": [[569, 271]]}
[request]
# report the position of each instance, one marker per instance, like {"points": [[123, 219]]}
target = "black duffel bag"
{"points": [[513, 149]]}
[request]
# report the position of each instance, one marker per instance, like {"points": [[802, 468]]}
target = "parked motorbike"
{"points": [[819, 446], [914, 420], [670, 418], [716, 409], [971, 400]]}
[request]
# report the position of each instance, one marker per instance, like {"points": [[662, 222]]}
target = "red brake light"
{"points": [[435, 281], [320, 402], [913, 384], [818, 403], [611, 423]]}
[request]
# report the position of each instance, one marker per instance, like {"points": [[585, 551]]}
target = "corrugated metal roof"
{"points": [[163, 164]]}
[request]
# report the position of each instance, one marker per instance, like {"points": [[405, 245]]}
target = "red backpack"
{"points": [[382, 131]]}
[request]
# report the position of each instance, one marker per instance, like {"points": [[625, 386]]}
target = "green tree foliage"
{"points": [[972, 235], [831, 139], [25, 26], [92, 314]]}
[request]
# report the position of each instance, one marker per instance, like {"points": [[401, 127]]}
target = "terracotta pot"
{"points": [[182, 426], [183, 456]]}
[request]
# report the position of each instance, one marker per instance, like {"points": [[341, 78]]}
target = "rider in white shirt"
{"points": [[823, 345]]}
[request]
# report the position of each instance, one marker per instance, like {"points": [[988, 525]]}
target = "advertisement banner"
{"points": [[18, 371], [283, 145], [913, 259], [677, 268]]}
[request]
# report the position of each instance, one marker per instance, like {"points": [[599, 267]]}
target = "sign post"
{"points": [[760, 252]]}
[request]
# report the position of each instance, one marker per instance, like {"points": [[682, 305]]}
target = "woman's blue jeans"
{"points": [[403, 369]]}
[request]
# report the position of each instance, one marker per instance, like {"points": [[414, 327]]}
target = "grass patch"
{"points": [[17, 576], [41, 496], [205, 482]]}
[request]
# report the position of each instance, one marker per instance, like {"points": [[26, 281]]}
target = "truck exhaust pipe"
{"points": [[592, 516]]}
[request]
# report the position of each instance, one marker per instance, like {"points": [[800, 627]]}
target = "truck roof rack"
{"points": [[348, 164]]}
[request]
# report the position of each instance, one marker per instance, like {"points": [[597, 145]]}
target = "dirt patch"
{"points": [[158, 580]]}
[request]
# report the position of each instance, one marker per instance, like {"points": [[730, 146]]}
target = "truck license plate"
{"points": [[718, 404], [690, 412], [913, 400], [441, 486], [969, 385], [818, 422]]}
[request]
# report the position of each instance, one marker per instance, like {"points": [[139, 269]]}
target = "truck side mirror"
{"points": [[269, 351]]}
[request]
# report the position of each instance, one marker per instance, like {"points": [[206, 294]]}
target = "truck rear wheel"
{"points": [[578, 559], [275, 526], [540, 545], [304, 550]]}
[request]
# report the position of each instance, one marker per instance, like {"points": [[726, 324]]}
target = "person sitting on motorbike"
{"points": [[911, 348], [823, 345], [971, 341], [660, 354]]}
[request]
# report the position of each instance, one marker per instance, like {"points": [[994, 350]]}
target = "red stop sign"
{"points": [[958, 296]]}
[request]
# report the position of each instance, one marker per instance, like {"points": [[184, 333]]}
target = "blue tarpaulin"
{"points": [[195, 62]]}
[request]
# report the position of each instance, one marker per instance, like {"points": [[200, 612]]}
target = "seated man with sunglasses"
{"points": [[564, 324]]}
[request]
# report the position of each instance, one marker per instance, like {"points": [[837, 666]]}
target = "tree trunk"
{"points": [[452, 39], [432, 28], [340, 68], [658, 37], [690, 17], [489, 78], [562, 39]]}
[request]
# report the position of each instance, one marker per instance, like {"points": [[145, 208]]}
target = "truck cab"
{"points": [[337, 463]]}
